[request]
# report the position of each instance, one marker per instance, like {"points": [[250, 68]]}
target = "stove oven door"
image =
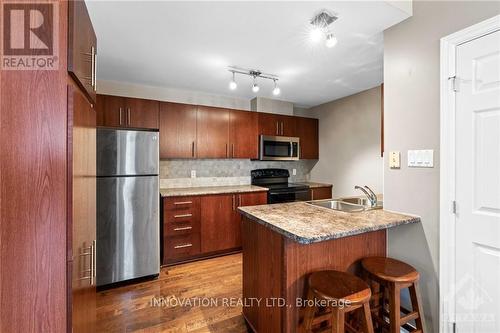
{"points": [[288, 196]]}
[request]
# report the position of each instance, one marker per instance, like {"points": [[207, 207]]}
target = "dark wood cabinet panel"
{"points": [[177, 130], [212, 134], [181, 228], [116, 111], [110, 111], [269, 124], [219, 230], [275, 124], [307, 131], [142, 113], [243, 133], [82, 48], [247, 199], [319, 193], [83, 211], [288, 125]]}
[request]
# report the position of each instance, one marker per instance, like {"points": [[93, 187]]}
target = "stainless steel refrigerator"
{"points": [[128, 205]]}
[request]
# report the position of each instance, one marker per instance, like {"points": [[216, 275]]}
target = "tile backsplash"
{"points": [[224, 172]]}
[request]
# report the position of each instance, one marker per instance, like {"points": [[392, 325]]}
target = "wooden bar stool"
{"points": [[342, 293], [387, 277]]}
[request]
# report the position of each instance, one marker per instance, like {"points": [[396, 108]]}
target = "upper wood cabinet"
{"points": [[275, 124], [243, 134], [307, 131], [212, 132], [177, 130], [115, 111], [82, 48]]}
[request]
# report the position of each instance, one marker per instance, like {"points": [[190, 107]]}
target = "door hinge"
{"points": [[454, 83], [454, 206]]}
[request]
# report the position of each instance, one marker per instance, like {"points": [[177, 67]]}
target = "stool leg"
{"points": [[338, 320], [394, 308], [309, 314], [416, 304], [368, 318]]}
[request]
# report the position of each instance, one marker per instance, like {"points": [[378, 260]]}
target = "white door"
{"points": [[477, 298]]}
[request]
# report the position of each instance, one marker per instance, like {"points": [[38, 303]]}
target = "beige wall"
{"points": [[411, 84], [349, 142]]}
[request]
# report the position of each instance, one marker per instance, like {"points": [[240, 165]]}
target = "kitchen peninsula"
{"points": [[283, 243]]}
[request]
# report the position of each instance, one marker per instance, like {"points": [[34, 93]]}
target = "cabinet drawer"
{"points": [[180, 247], [175, 204], [183, 227]]}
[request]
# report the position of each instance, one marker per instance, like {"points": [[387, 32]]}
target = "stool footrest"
{"points": [[408, 317]]}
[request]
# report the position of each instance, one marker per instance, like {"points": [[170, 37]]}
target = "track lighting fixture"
{"points": [[276, 90], [255, 74], [320, 30], [232, 84], [255, 87]]}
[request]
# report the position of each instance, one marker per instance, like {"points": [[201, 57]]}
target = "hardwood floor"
{"points": [[151, 307]]}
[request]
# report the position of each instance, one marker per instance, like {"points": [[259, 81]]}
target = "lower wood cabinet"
{"points": [[319, 193], [181, 228], [207, 225]]}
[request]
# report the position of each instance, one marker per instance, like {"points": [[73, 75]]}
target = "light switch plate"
{"points": [[294, 172], [421, 158], [193, 173], [394, 160]]}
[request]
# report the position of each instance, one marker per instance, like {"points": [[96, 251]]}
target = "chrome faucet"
{"points": [[369, 194]]}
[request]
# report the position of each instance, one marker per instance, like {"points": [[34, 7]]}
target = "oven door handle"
{"points": [[292, 192]]}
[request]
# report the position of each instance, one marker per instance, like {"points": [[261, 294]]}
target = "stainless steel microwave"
{"points": [[279, 148]]}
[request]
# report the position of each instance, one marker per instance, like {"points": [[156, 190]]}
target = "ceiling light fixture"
{"points": [[232, 84], [331, 40], [255, 87], [276, 90], [320, 30], [255, 74]]}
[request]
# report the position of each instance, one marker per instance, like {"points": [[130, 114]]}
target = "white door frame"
{"points": [[447, 165]]}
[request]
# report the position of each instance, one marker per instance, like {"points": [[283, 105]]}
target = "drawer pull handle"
{"points": [[183, 246], [183, 228], [183, 215], [183, 203]]}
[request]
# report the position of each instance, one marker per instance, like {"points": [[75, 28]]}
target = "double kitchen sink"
{"points": [[349, 205]]}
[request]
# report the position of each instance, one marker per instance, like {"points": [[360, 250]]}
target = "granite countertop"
{"points": [[307, 224], [315, 184], [187, 191]]}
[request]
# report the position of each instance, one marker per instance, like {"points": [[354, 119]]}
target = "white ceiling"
{"points": [[189, 45]]}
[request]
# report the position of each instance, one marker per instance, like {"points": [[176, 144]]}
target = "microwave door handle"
{"points": [[291, 149]]}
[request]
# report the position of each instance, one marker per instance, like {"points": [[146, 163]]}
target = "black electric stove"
{"points": [[280, 190]]}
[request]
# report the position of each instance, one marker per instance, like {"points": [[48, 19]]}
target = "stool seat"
{"points": [[335, 285], [389, 269]]}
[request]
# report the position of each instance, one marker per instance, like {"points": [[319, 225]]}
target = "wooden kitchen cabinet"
{"points": [[308, 132], [110, 111], [142, 113], [177, 130], [243, 134], [181, 228], [247, 199], [83, 214], [212, 132], [219, 230], [82, 48], [125, 112], [277, 125], [319, 193]]}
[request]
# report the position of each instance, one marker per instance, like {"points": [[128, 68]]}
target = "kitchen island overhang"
{"points": [[283, 243]]}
